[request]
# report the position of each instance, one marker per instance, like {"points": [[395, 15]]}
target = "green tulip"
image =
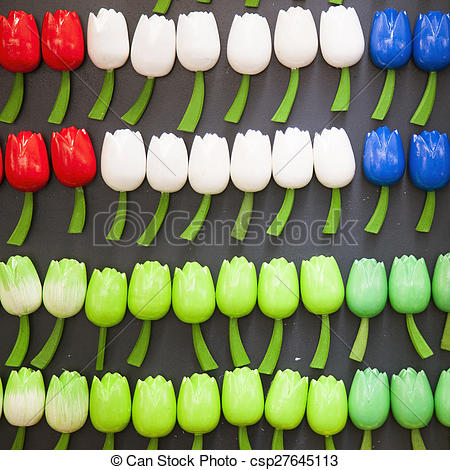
{"points": [[409, 293], [369, 402], [194, 302], [20, 294], [366, 295], [198, 409], [441, 294], [149, 298], [242, 401], [323, 293], [285, 404], [236, 293], [24, 400], [154, 410], [327, 409], [412, 402], [442, 398], [67, 405], [63, 295], [110, 406], [106, 304]]}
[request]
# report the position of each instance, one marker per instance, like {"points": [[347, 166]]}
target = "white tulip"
{"points": [[209, 164], [341, 37], [198, 42], [295, 42], [153, 46], [292, 158], [123, 160], [167, 163], [334, 161], [107, 39], [251, 161], [249, 44]]}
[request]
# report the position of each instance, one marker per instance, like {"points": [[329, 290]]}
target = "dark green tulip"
{"points": [[441, 294], [442, 398]]}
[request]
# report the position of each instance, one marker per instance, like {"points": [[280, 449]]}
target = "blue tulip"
{"points": [[384, 165], [390, 48], [431, 51], [429, 168]]}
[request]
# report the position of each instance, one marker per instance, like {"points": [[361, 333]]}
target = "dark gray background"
{"points": [[171, 352]]}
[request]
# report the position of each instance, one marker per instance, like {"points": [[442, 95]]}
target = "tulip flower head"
{"points": [[285, 404], [149, 299], [67, 405], [154, 409], [442, 398], [108, 48], [429, 169], [292, 168], [209, 174], [24, 400], [440, 289], [198, 408], [295, 45], [342, 46], [384, 165], [251, 169], [242, 401], [322, 292], [110, 406], [334, 166], [20, 294], [153, 56], [249, 49], [167, 172]]}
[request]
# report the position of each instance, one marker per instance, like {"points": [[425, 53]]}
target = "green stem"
{"points": [[243, 219], [278, 224], [42, 360], [135, 113], [237, 350], [115, 233], [153, 444], [197, 222], [23, 226], [194, 110], [426, 219], [277, 440], [109, 441], [377, 219], [320, 357], [252, 3], [342, 99], [366, 443], [244, 443], [101, 106], [285, 108], [329, 443], [236, 110], [418, 341], [204, 357], [334, 214], [273, 351], [155, 224], [336, 2], [62, 101], [416, 440], [386, 96], [360, 344], [445, 340], [162, 6], [12, 107], [425, 107], [63, 442], [79, 212], [204, 1], [101, 348], [197, 444], [20, 349], [19, 439], [137, 356]]}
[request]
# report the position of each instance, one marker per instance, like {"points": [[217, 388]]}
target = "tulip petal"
{"points": [[285, 108], [62, 100], [14, 104], [386, 96], [23, 226], [425, 107], [79, 212], [101, 106], [236, 110]]}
